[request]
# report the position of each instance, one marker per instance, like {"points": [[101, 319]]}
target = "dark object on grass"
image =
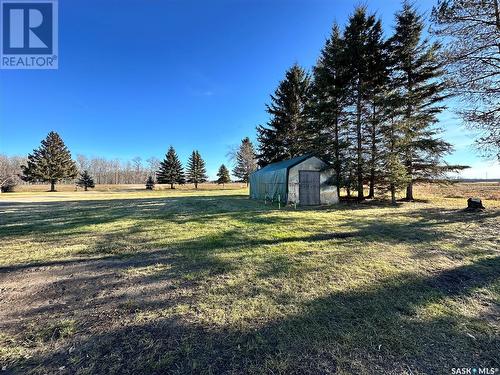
{"points": [[474, 204]]}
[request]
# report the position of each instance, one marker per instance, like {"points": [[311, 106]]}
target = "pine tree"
{"points": [[150, 183], [170, 171], [246, 161], [51, 162], [357, 41], [377, 88], [417, 75], [329, 97], [283, 137], [85, 181], [196, 172], [393, 173], [223, 175]]}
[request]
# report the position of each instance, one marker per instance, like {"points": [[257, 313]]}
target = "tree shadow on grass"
{"points": [[56, 218], [423, 228], [374, 329]]}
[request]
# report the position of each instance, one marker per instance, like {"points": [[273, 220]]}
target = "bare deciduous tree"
{"points": [[10, 169], [470, 30]]}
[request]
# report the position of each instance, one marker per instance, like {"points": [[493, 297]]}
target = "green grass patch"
{"points": [[211, 282]]}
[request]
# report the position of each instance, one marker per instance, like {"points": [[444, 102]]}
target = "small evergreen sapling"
{"points": [[223, 175], [150, 183], [85, 181]]}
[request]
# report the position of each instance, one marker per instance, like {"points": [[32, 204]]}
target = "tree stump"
{"points": [[475, 204]]}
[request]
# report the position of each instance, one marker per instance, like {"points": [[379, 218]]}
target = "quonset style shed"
{"points": [[306, 180]]}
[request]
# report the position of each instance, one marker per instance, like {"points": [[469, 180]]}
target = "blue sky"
{"points": [[136, 76]]}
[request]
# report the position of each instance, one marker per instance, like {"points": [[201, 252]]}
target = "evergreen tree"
{"points": [[196, 172], [170, 171], [284, 135], [327, 106], [150, 183], [51, 162], [393, 173], [85, 181], [417, 75], [246, 161], [223, 175], [357, 38], [377, 91]]}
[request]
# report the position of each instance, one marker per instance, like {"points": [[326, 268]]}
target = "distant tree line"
{"points": [[52, 163], [369, 107]]}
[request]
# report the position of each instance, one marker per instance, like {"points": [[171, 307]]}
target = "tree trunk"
{"points": [[196, 185], [409, 187], [409, 151], [337, 155], [409, 191], [393, 194], [359, 151], [371, 193], [171, 186], [52, 185], [497, 16]]}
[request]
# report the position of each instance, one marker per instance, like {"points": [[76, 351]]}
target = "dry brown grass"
{"points": [[483, 190], [126, 187], [211, 282]]}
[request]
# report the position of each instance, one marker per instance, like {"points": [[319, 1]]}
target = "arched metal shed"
{"points": [[306, 180]]}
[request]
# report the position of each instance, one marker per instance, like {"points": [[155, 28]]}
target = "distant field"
{"points": [[128, 187], [124, 280]]}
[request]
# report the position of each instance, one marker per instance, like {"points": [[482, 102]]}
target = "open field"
{"points": [[183, 281]]}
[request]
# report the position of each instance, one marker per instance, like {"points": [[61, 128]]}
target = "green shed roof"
{"points": [[285, 164]]}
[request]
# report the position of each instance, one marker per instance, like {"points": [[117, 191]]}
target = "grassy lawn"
{"points": [[210, 282]]}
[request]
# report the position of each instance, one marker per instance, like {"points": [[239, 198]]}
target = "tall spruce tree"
{"points": [[283, 136], [377, 89], [417, 75], [357, 38], [196, 172], [223, 175], [170, 171], [51, 162], [393, 173], [86, 181], [246, 161], [329, 97]]}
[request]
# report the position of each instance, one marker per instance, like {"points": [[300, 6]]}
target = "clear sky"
{"points": [[136, 76]]}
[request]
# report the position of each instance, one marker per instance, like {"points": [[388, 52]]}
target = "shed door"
{"points": [[309, 188]]}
